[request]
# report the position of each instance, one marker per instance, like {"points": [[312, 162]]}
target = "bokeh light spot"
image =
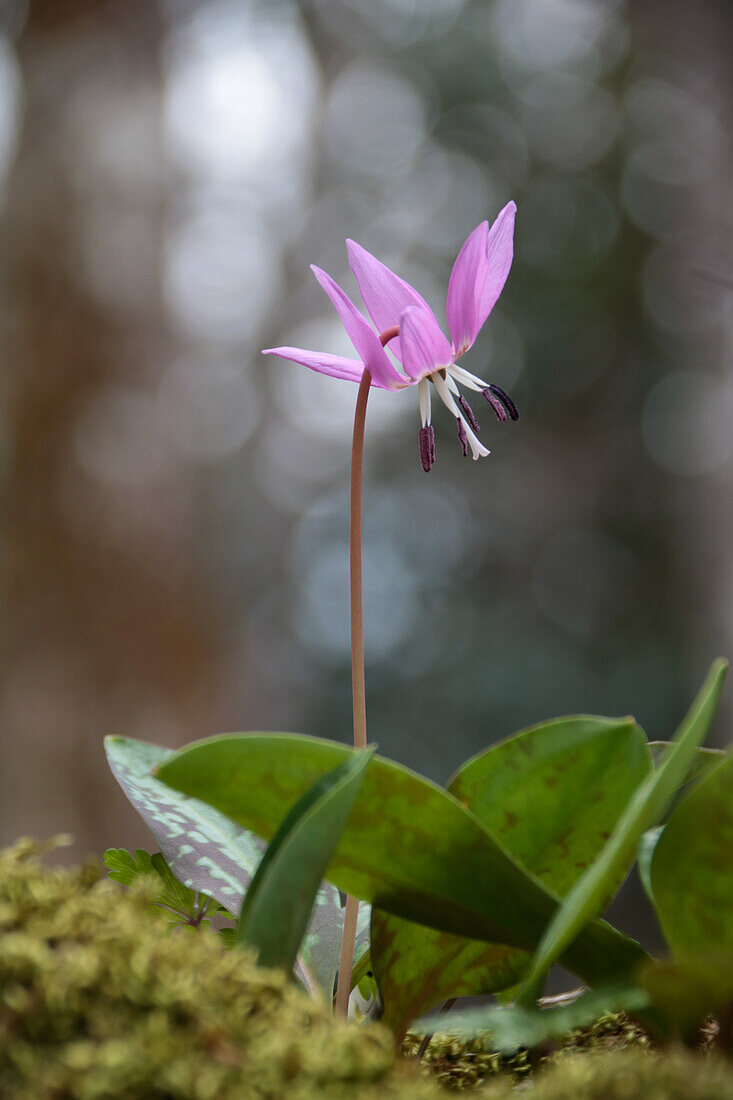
{"points": [[584, 581], [686, 423]]}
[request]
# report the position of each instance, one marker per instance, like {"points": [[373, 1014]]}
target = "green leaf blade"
{"points": [[409, 846], [692, 868], [185, 906], [684, 992], [418, 967], [591, 893], [278, 904], [552, 794], [125, 868]]}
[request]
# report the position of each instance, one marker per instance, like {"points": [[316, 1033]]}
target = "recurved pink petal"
{"points": [[361, 334], [500, 252], [424, 347], [335, 366], [385, 294], [465, 287]]}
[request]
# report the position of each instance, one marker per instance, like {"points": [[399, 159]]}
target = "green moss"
{"points": [[99, 1000], [611, 1060], [464, 1063], [626, 1075], [461, 1064]]}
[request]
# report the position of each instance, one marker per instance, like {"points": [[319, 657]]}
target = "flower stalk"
{"points": [[358, 685], [358, 682]]}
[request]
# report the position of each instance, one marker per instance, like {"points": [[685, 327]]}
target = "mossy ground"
{"points": [[632, 1074], [101, 1000], [612, 1060], [458, 1064]]}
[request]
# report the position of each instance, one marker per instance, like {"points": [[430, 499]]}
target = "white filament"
{"points": [[477, 448], [423, 393], [471, 381]]}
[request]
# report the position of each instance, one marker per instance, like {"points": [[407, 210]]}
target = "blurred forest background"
{"points": [[174, 505]]}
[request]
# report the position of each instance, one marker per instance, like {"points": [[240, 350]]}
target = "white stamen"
{"points": [[477, 448], [423, 394], [470, 381], [451, 383]]}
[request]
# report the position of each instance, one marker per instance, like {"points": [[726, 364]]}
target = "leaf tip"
{"points": [[716, 676]]}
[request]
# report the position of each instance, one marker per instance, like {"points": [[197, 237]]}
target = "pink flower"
{"points": [[424, 354]]}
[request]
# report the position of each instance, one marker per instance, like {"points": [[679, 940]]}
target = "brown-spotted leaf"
{"points": [[408, 846], [552, 794]]}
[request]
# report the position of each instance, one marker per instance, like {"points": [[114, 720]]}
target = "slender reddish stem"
{"points": [[346, 959], [358, 684]]}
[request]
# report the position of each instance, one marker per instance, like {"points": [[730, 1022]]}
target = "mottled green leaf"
{"points": [[417, 967], [511, 1028], [209, 852], [277, 906], [205, 849], [591, 893], [321, 947], [552, 794], [692, 868], [409, 846]]}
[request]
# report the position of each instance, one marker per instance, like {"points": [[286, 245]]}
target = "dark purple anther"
{"points": [[426, 440], [500, 401], [469, 413], [462, 436], [495, 404]]}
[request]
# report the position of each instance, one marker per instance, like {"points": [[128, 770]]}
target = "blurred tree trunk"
{"points": [[698, 40], [98, 591]]}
